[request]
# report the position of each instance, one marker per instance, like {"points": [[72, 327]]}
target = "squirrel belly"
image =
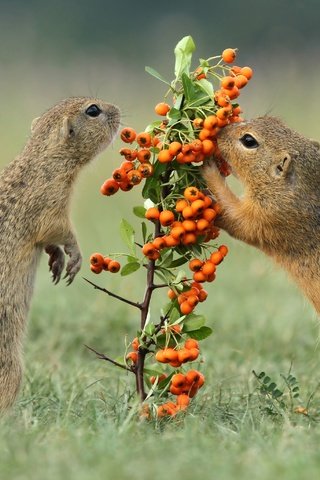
{"points": [[279, 212], [35, 191]]}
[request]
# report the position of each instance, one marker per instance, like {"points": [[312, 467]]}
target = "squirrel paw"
{"points": [[74, 264], [55, 262]]}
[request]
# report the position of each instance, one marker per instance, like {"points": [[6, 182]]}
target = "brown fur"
{"points": [[34, 215], [279, 212]]}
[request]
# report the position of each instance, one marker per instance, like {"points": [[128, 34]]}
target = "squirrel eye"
{"points": [[249, 141], [93, 111]]}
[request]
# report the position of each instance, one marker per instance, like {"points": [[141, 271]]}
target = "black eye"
{"points": [[93, 111], [249, 141]]}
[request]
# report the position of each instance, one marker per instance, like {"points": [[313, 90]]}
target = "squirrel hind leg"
{"points": [[10, 381]]}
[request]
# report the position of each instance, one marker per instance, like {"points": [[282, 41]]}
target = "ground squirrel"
{"points": [[280, 208], [34, 214]]}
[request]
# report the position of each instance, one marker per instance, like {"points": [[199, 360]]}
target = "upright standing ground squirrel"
{"points": [[280, 208], [35, 191]]}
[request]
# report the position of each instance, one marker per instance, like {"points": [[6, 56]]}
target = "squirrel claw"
{"points": [[55, 262], [73, 266]]}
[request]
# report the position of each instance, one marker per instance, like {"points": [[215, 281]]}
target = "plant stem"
{"points": [[104, 357], [118, 297]]}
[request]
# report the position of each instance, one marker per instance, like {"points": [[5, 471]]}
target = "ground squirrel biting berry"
{"points": [[35, 191], [280, 208]]}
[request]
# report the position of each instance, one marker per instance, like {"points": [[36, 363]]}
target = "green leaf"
{"points": [[157, 75], [127, 234], [144, 231], [201, 333], [188, 87], [149, 329], [129, 268], [277, 393], [272, 387], [174, 114], [183, 53], [266, 380], [206, 86], [139, 211], [178, 262], [179, 101], [193, 322], [166, 259]]}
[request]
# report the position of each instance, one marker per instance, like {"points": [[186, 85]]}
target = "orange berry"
{"points": [[125, 186], [193, 300], [210, 122], [134, 177], [229, 55], [209, 214], [144, 139], [195, 264], [126, 166], [144, 155], [208, 268], [119, 175], [196, 145], [208, 147], [222, 99], [189, 239], [184, 355], [197, 207], [166, 218], [187, 212], [164, 156], [152, 213], [228, 82], [170, 354], [172, 294], [177, 232], [183, 400], [241, 81], [135, 344], [96, 268], [114, 266], [194, 354], [205, 133], [160, 357], [197, 122], [174, 148], [233, 93], [185, 309], [247, 72], [223, 249], [109, 187], [216, 257], [175, 390], [181, 204], [178, 380], [97, 259], [189, 225], [192, 376], [128, 154], [223, 113], [199, 277], [196, 285], [191, 193], [133, 356], [159, 243], [171, 241], [162, 109], [148, 249], [128, 135], [106, 261], [203, 294], [191, 343], [146, 170]]}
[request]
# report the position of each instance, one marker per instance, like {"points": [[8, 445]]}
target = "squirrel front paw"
{"points": [[74, 264], [55, 262]]}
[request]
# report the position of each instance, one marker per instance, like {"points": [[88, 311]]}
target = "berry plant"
{"points": [[176, 248]]}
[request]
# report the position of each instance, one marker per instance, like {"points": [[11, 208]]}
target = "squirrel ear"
{"points": [[66, 130], [34, 124], [283, 166]]}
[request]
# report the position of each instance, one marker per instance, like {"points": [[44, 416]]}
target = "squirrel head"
{"points": [[79, 127], [267, 156]]}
